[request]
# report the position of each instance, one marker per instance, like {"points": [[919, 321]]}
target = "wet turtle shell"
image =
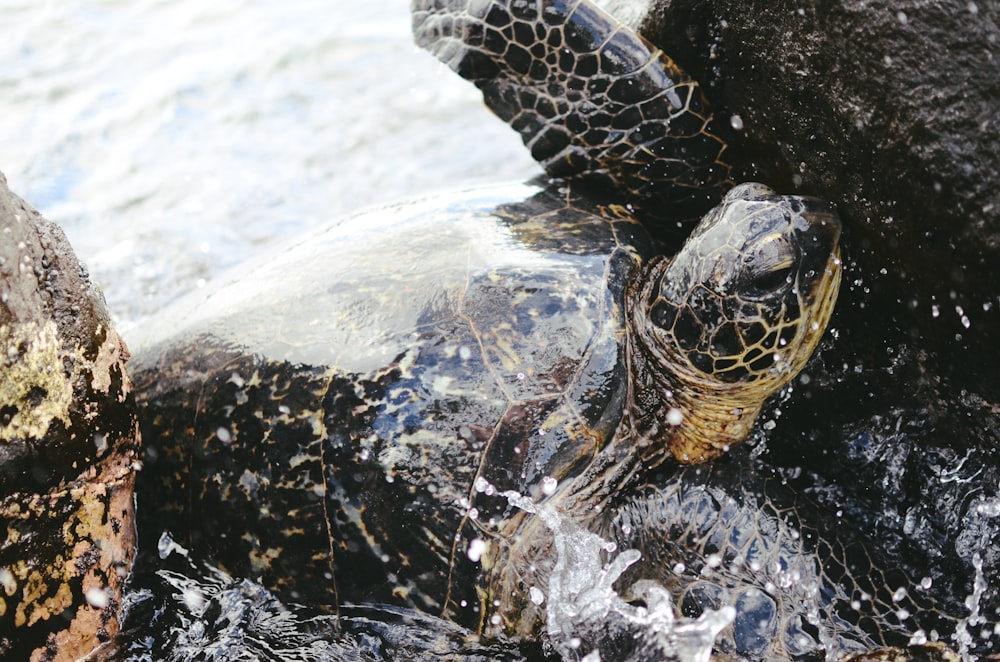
{"points": [[340, 422]]}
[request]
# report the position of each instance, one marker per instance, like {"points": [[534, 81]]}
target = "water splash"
{"points": [[964, 635], [186, 610], [585, 614], [975, 541]]}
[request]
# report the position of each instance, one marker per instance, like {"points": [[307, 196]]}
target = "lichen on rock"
{"points": [[68, 448]]}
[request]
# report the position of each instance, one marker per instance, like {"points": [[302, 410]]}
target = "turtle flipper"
{"points": [[589, 96]]}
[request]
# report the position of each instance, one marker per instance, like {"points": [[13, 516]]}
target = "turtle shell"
{"points": [[339, 423]]}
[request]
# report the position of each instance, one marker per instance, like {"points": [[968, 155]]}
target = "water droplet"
{"points": [[973, 8], [464, 353], [284, 409], [902, 18], [98, 598], [990, 507], [194, 600], [224, 435], [675, 416], [713, 560], [364, 454], [476, 549], [770, 425], [919, 638], [935, 310], [473, 513], [888, 60], [926, 583], [549, 485], [481, 484], [736, 122], [899, 594], [495, 619], [536, 594], [520, 375], [679, 568]]}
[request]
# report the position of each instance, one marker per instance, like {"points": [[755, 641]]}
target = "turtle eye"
{"points": [[768, 265], [771, 280]]}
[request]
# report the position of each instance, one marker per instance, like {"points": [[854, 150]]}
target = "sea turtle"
{"points": [[340, 421]]}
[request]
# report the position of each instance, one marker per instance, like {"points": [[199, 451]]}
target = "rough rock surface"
{"points": [[68, 443], [890, 109]]}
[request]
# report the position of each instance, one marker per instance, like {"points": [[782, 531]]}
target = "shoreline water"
{"points": [[174, 140]]}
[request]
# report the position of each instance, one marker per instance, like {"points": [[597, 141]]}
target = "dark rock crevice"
{"points": [[892, 111]]}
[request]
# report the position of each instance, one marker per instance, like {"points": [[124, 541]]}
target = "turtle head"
{"points": [[735, 315]]}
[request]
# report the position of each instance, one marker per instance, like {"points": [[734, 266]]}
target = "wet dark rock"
{"points": [[892, 111], [68, 442]]}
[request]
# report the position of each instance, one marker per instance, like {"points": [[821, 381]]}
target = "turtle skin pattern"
{"points": [[589, 96]]}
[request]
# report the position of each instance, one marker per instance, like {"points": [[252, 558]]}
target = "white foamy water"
{"points": [[173, 140]]}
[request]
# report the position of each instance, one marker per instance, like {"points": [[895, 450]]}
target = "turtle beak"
{"points": [[816, 228]]}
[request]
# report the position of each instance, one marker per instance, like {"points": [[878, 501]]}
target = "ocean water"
{"points": [[173, 140]]}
